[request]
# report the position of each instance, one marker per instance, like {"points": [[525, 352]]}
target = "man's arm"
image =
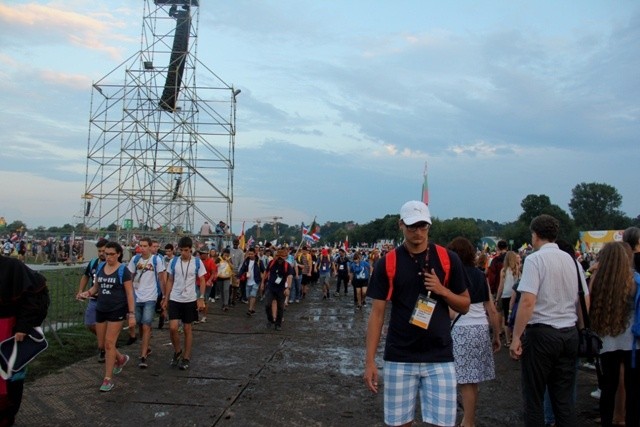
{"points": [[374, 330], [525, 311]]}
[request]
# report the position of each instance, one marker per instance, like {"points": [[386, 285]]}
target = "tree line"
{"points": [[593, 206]]}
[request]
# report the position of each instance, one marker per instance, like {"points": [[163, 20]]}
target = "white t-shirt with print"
{"points": [[144, 277]]}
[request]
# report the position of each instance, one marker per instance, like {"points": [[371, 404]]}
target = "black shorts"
{"points": [[360, 283], [111, 316], [306, 279], [185, 311]]}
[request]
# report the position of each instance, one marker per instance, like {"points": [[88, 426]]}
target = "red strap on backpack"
{"points": [[390, 266]]}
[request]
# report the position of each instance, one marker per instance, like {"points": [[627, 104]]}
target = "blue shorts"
{"points": [[207, 292], [252, 290], [90, 313], [145, 312], [436, 383]]}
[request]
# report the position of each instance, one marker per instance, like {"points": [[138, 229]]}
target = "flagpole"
{"points": [[302, 231]]}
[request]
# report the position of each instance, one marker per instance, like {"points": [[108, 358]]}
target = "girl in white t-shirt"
{"points": [[509, 275]]}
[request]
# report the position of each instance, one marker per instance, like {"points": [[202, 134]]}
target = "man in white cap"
{"points": [[422, 280]]}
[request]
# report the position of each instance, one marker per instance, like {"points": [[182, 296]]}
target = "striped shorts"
{"points": [[436, 383]]}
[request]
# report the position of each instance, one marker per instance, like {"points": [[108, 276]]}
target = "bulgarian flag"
{"points": [[425, 187]]}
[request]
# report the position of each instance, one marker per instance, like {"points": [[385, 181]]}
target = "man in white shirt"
{"points": [[548, 311], [184, 272], [146, 269]]}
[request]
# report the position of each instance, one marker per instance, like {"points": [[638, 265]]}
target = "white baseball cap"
{"points": [[414, 211]]}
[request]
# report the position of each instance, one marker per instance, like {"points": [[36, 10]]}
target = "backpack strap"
{"points": [[390, 267], [121, 273], [173, 265], [443, 256]]}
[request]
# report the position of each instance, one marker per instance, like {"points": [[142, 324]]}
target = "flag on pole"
{"points": [[242, 243], [251, 242], [346, 243], [425, 187], [311, 233]]}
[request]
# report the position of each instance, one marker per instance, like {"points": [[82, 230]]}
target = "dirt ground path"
{"points": [[246, 374]]}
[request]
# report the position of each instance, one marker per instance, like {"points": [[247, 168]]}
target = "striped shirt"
{"points": [[550, 274]]}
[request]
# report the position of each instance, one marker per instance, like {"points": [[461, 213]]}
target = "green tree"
{"points": [[532, 206], [443, 232], [595, 206], [16, 226]]}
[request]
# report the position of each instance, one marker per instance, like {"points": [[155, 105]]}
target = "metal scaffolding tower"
{"points": [[161, 142]]}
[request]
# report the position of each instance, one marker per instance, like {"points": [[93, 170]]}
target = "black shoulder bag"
{"points": [[590, 343]]}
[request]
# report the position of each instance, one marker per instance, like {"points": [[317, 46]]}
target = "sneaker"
{"points": [[203, 320], [588, 365], [184, 364], [176, 358], [101, 356], [131, 340], [120, 364], [107, 385], [195, 322], [249, 313], [337, 294], [142, 364], [596, 394], [244, 301], [212, 300]]}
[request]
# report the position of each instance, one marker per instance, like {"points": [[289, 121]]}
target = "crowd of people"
{"points": [[452, 308]]}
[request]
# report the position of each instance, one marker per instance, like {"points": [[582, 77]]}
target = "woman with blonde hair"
{"points": [[613, 291], [509, 276]]}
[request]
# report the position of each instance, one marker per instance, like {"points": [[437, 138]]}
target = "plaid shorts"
{"points": [[436, 383]]}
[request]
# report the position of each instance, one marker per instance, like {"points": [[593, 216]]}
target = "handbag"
{"points": [[589, 344], [15, 355]]}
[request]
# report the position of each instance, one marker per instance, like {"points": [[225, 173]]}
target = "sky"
{"points": [[343, 102]]}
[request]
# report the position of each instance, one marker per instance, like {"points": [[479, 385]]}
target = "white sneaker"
{"points": [[203, 320], [596, 394], [212, 300]]}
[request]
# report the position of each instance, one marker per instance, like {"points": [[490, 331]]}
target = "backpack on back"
{"points": [[390, 264], [174, 261], [120, 271]]}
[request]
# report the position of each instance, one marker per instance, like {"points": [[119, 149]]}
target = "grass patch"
{"points": [[78, 343]]}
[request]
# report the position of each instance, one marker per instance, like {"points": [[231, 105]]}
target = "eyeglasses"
{"points": [[111, 253], [418, 226]]}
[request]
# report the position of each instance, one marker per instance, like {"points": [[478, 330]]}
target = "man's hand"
{"points": [[371, 377], [20, 336], [515, 350], [432, 283]]}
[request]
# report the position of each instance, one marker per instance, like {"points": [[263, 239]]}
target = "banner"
{"points": [[593, 241]]}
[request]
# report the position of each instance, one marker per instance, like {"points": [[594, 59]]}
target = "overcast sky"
{"points": [[343, 102]]}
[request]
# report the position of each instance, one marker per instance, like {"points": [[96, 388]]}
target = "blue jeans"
{"points": [[296, 289]]}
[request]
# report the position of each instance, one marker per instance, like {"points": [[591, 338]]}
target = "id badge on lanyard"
{"points": [[425, 305], [422, 312]]}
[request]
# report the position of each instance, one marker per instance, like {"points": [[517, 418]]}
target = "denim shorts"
{"points": [[252, 290], [145, 312], [90, 313], [436, 383], [207, 292]]}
